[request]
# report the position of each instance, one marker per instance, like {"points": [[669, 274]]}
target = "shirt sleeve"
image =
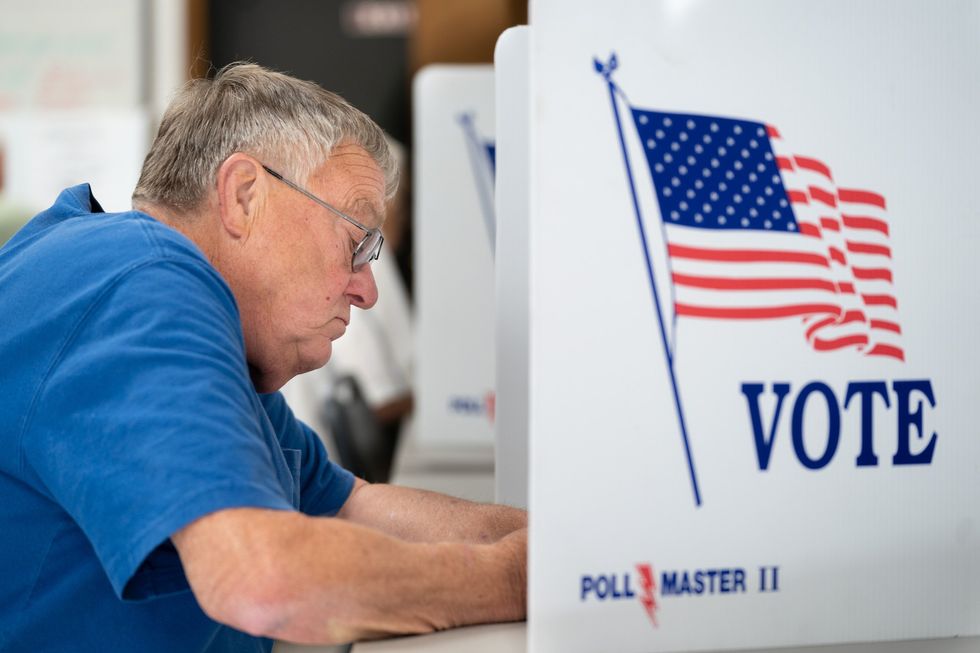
{"points": [[148, 421], [324, 485]]}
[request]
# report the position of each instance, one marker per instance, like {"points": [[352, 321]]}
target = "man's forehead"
{"points": [[355, 183]]}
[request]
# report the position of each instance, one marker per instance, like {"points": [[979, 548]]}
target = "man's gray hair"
{"points": [[288, 124]]}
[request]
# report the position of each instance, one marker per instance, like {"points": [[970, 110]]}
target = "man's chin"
{"points": [[272, 378], [343, 330], [317, 359]]}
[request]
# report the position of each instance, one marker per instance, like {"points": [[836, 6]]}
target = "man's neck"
{"points": [[196, 226]]}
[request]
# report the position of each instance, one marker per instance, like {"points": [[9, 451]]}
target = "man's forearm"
{"points": [[422, 516], [320, 580], [390, 587]]}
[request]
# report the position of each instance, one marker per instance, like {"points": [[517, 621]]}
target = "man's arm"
{"points": [[311, 580], [422, 516]]}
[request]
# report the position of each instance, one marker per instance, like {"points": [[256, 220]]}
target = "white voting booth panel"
{"points": [[513, 207], [454, 245], [753, 405]]}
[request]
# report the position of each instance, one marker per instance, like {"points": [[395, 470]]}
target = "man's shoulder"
{"points": [[77, 265], [75, 242], [124, 239], [76, 227]]}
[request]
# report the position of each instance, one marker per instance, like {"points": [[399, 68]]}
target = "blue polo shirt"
{"points": [[127, 412]]}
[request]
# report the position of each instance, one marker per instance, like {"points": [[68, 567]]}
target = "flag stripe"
{"points": [[808, 229], [849, 317], [813, 165], [872, 273], [728, 283], [798, 196], [816, 326], [868, 248], [886, 325], [865, 222], [880, 300], [755, 312], [861, 197], [887, 350], [745, 255], [823, 196], [840, 343]]}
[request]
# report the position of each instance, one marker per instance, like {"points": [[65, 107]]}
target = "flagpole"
{"points": [[489, 216], [606, 70]]}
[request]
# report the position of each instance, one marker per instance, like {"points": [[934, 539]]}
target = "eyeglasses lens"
{"points": [[368, 250]]}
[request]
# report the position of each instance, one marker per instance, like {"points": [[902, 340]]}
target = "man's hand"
{"points": [[513, 546]]}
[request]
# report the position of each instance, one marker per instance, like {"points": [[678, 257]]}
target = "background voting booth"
{"points": [[513, 251], [753, 377], [455, 241]]}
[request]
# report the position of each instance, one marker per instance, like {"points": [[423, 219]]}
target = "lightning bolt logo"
{"points": [[648, 585]]}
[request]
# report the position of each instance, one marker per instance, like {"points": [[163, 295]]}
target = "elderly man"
{"points": [[157, 492]]}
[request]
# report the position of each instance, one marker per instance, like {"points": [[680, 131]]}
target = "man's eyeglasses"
{"points": [[367, 250]]}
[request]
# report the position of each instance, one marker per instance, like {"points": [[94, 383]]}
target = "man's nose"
{"points": [[362, 289]]}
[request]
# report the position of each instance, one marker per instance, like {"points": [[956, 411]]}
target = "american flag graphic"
{"points": [[755, 231], [483, 160], [490, 148]]}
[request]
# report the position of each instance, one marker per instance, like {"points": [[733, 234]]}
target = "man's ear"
{"points": [[239, 194]]}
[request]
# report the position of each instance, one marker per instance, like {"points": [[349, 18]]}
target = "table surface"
{"points": [[512, 638], [491, 638]]}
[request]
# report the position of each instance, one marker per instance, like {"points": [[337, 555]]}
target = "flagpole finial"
{"points": [[606, 69]]}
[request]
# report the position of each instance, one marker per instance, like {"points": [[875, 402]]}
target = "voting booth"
{"points": [[454, 250], [454, 245], [513, 189], [752, 371]]}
